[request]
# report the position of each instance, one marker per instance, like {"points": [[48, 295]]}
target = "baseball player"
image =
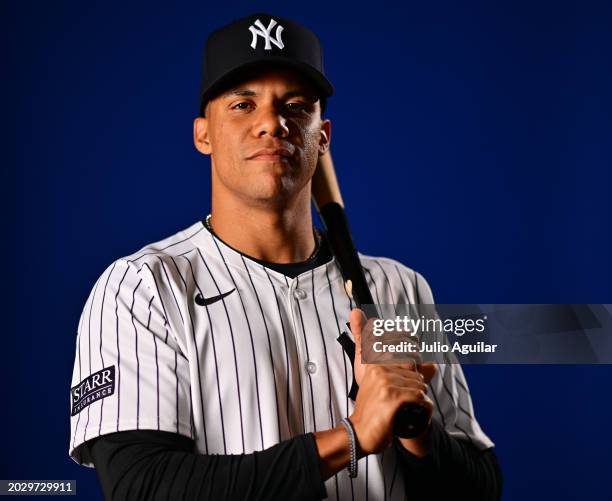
{"points": [[206, 363]]}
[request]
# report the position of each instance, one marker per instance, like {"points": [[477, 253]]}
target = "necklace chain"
{"points": [[317, 235]]}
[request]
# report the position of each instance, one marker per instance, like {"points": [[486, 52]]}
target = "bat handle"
{"points": [[410, 421]]}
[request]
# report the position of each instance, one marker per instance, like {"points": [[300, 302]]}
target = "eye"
{"points": [[242, 105], [296, 106]]}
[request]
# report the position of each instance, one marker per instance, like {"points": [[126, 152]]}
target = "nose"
{"points": [[270, 121]]}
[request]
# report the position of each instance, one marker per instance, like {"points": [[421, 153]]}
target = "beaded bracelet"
{"points": [[352, 467]]}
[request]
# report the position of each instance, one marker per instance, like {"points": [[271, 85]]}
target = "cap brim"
{"points": [[233, 76]]}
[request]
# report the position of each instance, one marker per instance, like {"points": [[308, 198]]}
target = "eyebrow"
{"points": [[239, 92], [286, 95]]}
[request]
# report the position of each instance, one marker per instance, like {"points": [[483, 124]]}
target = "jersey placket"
{"points": [[296, 298]]}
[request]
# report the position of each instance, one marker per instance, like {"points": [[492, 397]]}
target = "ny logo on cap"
{"points": [[260, 30]]}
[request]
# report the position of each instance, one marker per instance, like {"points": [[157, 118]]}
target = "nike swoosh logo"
{"points": [[205, 301]]}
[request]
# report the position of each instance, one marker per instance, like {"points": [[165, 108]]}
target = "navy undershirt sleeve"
{"points": [[158, 465], [451, 469]]}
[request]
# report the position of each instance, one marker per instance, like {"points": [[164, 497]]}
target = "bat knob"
{"points": [[410, 421]]}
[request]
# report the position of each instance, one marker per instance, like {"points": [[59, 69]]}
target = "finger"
{"points": [[402, 371], [409, 359], [403, 383], [405, 367], [411, 396], [428, 370], [357, 321], [428, 404], [398, 381]]}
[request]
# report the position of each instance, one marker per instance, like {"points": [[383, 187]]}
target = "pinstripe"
{"points": [[462, 386], [231, 335], [187, 252], [177, 396], [452, 398], [159, 251], [314, 302], [251, 337], [280, 320], [416, 288], [457, 401], [418, 301], [198, 363], [165, 318], [191, 418], [263, 317], [455, 398], [118, 351], [137, 359], [212, 337], [369, 273], [378, 301], [101, 355], [433, 392], [299, 372], [229, 322], [331, 296], [156, 363], [163, 267], [89, 348], [390, 288], [158, 293], [403, 284], [465, 433], [78, 349], [314, 417], [329, 389]]}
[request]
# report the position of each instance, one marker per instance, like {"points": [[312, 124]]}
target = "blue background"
{"points": [[473, 143]]}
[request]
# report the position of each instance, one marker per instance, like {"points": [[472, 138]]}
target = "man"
{"points": [[207, 365]]}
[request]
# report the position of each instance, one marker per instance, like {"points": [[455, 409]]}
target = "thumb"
{"points": [[357, 321]]}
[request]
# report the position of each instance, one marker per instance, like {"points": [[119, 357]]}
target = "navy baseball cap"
{"points": [[257, 41]]}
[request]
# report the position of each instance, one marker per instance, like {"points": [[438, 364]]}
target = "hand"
{"points": [[383, 389], [358, 322]]}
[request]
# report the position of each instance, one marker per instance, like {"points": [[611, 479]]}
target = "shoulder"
{"points": [[167, 249], [398, 275], [152, 278], [153, 263]]}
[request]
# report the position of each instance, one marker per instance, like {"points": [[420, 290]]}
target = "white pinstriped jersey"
{"points": [[189, 336]]}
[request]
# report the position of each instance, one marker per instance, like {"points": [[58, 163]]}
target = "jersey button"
{"points": [[300, 294], [311, 367]]}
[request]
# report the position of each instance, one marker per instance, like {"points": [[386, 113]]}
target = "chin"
{"points": [[274, 188]]}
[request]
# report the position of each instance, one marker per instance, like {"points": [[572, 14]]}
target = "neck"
{"points": [[279, 234]]}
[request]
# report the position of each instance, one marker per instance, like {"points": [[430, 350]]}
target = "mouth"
{"points": [[271, 155]]}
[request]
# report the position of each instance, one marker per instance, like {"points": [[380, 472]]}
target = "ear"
{"points": [[325, 136], [200, 135]]}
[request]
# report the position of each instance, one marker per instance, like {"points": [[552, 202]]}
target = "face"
{"points": [[264, 137]]}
